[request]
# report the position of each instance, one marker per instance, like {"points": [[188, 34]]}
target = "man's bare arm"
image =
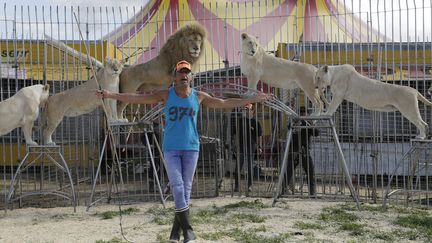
{"points": [[158, 96], [213, 102]]}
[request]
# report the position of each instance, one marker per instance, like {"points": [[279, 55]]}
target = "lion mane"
{"points": [[187, 43]]}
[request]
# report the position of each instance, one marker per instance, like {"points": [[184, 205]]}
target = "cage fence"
{"points": [[377, 146]]}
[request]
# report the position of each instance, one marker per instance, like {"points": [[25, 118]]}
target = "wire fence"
{"points": [[397, 51]]}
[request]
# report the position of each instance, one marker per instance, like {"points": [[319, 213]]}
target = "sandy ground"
{"points": [[280, 224]]}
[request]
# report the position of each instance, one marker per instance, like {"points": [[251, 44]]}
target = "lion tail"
{"points": [[423, 99]]}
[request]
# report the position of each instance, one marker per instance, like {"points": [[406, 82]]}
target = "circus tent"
{"points": [[273, 22]]}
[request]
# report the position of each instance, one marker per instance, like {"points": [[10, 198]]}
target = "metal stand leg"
{"points": [[118, 127], [416, 145], [342, 161], [284, 167], [97, 174], [156, 176], [42, 152]]}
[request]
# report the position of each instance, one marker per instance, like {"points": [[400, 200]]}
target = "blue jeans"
{"points": [[181, 165]]}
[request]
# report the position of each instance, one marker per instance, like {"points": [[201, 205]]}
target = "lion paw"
{"points": [[421, 137], [31, 143], [50, 143]]}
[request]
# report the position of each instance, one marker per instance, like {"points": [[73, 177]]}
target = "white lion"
{"points": [[81, 99], [22, 109], [187, 43], [257, 65], [346, 83]]}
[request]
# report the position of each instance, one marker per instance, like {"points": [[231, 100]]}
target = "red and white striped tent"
{"points": [[272, 22]]}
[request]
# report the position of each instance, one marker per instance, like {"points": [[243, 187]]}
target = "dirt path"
{"points": [[222, 219]]}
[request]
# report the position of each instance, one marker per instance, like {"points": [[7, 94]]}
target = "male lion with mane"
{"points": [[81, 99], [257, 65], [187, 43]]}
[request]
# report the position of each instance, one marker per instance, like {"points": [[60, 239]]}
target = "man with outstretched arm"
{"points": [[181, 139]]}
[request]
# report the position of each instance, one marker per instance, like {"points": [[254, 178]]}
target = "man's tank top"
{"points": [[181, 116]]}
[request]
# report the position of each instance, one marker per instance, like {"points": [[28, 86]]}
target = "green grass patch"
{"points": [[407, 210], [337, 215], [251, 236], [420, 222], [162, 216], [216, 214], [411, 234], [257, 204], [384, 236], [247, 217], [306, 226], [163, 235], [214, 236], [415, 221], [209, 215], [112, 214], [363, 207], [353, 228], [113, 240]]}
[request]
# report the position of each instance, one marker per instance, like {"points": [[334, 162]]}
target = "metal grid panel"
{"points": [[374, 142]]}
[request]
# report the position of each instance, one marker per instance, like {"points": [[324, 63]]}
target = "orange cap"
{"points": [[183, 64]]}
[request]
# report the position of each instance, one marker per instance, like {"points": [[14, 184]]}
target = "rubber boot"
{"points": [[188, 234], [175, 231]]}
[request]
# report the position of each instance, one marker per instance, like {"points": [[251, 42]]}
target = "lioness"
{"points": [[81, 99], [187, 43], [257, 65], [22, 109], [346, 83]]}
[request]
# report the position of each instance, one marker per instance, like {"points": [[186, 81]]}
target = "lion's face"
{"points": [[113, 66], [249, 44], [322, 80], [193, 42]]}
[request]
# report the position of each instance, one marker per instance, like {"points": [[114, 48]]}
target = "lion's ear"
{"points": [[108, 60], [244, 36], [46, 87], [325, 68]]}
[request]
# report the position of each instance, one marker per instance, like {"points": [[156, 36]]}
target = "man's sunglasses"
{"points": [[184, 71]]}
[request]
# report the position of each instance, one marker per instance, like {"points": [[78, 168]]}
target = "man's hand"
{"points": [[262, 97], [101, 93]]}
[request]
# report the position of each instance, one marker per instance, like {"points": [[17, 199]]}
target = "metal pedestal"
{"points": [[342, 163], [121, 133], [417, 146], [44, 154]]}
